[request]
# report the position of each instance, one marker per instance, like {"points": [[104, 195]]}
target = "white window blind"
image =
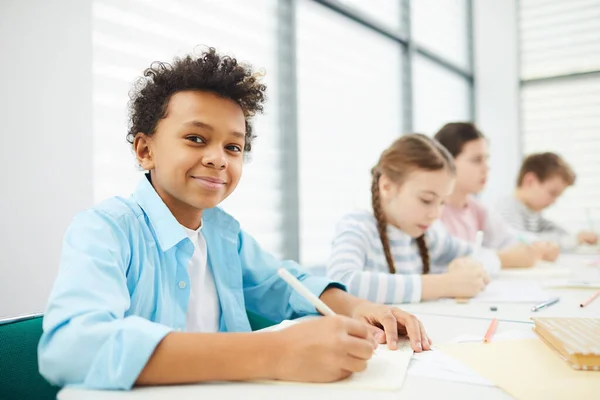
{"points": [[440, 96], [442, 27], [559, 37], [563, 114], [349, 99], [129, 35]]}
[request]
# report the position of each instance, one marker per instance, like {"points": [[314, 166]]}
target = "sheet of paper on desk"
{"points": [[507, 335], [572, 284], [438, 365], [385, 371], [527, 369], [512, 292], [542, 269]]}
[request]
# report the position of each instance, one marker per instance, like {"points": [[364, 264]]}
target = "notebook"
{"points": [[577, 340], [385, 371]]}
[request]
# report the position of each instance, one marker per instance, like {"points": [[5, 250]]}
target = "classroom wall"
{"points": [[46, 141], [497, 90]]}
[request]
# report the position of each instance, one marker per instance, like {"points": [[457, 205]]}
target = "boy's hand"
{"points": [[322, 350], [394, 322], [587, 237]]}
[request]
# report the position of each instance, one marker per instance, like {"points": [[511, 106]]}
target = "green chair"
{"points": [[19, 374], [258, 322]]}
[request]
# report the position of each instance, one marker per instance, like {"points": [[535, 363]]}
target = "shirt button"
{"points": [[181, 285]]}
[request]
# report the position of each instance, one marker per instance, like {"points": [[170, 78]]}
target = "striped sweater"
{"points": [[520, 217], [358, 260]]}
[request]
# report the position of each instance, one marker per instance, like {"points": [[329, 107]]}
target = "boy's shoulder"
{"points": [[117, 212]]}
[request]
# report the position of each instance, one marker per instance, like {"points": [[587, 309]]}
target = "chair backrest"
{"points": [[258, 322], [19, 373]]}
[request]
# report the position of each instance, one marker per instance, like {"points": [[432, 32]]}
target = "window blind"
{"points": [[129, 35], [560, 97]]}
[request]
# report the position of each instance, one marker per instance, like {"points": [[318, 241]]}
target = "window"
{"points": [[560, 97]]}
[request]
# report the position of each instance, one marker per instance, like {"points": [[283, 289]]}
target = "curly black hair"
{"points": [[208, 72]]}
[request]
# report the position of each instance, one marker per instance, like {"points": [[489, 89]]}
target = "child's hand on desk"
{"points": [[549, 250], [323, 350], [587, 237], [465, 278], [521, 255], [394, 322]]}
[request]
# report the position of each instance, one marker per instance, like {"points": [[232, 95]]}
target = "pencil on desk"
{"points": [[304, 292], [592, 298], [490, 332]]}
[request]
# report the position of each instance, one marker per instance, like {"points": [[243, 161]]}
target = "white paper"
{"points": [[508, 335], [386, 370], [572, 284], [512, 292], [542, 269], [438, 365]]}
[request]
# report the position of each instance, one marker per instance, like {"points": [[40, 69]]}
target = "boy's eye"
{"points": [[235, 148], [425, 201], [195, 139]]}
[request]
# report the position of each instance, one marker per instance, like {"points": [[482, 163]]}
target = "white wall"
{"points": [[497, 90], [46, 141]]}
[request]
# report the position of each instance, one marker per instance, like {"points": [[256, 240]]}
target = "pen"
{"points": [[545, 304], [304, 292]]}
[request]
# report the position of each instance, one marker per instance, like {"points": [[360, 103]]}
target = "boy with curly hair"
{"points": [[152, 287]]}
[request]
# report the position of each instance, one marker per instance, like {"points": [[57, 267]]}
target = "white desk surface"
{"points": [[444, 320]]}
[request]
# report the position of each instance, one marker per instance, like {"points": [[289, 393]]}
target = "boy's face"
{"points": [[472, 166], [541, 195], [195, 157]]}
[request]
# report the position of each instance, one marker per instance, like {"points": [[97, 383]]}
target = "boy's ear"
{"points": [[530, 179], [143, 151]]}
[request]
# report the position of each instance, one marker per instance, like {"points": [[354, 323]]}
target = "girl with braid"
{"points": [[399, 253]]}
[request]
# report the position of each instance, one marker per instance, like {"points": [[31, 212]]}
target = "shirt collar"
{"points": [[166, 227]]}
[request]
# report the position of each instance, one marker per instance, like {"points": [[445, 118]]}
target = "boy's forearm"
{"points": [[340, 301], [196, 357]]}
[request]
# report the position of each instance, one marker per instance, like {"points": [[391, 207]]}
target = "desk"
{"points": [[444, 320], [440, 328], [568, 306]]}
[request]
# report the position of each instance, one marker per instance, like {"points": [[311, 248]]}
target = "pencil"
{"points": [[304, 292], [592, 298], [490, 332]]}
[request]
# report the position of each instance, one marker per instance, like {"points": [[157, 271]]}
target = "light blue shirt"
{"points": [[123, 285]]}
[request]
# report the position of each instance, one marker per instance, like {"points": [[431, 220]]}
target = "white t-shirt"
{"points": [[204, 310]]}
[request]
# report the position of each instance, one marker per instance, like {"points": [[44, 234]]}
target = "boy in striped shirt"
{"points": [[542, 179]]}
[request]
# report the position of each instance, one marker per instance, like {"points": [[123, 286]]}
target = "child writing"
{"points": [[387, 256], [542, 179], [464, 215], [149, 285]]}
